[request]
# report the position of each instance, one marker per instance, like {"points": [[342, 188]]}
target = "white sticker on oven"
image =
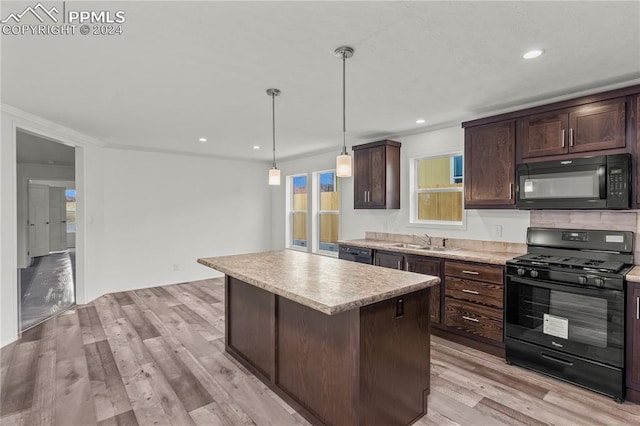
{"points": [[614, 238], [556, 326], [528, 185]]}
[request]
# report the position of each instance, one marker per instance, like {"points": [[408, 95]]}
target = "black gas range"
{"points": [[565, 304]]}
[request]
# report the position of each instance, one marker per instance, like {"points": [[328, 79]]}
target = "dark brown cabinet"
{"points": [[636, 157], [421, 265], [590, 127], [428, 266], [489, 153], [389, 260], [474, 300], [633, 342], [376, 183]]}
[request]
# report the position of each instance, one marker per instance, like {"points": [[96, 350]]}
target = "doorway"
{"points": [[46, 228]]}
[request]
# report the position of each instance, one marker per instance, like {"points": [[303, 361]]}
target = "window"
{"points": [[327, 208], [298, 219], [437, 190], [70, 195]]}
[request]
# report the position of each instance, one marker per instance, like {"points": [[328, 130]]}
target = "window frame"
{"points": [[290, 212], [414, 191], [317, 212]]}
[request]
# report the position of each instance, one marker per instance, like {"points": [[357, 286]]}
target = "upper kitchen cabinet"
{"points": [[376, 182], [489, 168], [591, 127], [636, 157]]}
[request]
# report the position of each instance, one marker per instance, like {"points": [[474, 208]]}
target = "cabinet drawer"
{"points": [[490, 294], [480, 320], [491, 274]]}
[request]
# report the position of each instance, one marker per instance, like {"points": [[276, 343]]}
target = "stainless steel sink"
{"points": [[417, 247]]}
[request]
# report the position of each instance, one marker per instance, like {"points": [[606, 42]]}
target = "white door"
{"points": [[38, 220], [58, 219]]}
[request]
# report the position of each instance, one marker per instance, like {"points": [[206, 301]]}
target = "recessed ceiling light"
{"points": [[51, 162], [533, 54], [256, 147], [202, 140], [419, 121]]}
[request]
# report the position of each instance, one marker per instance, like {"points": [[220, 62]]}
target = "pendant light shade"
{"points": [[274, 176], [274, 173], [343, 161], [343, 165]]}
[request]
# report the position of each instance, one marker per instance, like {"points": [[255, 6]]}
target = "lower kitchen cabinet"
{"points": [[633, 342], [389, 260], [474, 302], [421, 265], [468, 306], [428, 266]]}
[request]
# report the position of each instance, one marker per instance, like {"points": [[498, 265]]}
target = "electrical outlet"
{"points": [[497, 231], [176, 267]]}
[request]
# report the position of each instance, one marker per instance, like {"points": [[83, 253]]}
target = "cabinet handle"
{"points": [[470, 319], [571, 136], [563, 138], [511, 191], [368, 196], [638, 308], [464, 290], [406, 266], [399, 265], [470, 272]]}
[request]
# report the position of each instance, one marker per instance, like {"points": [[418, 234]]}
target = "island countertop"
{"points": [[323, 283]]}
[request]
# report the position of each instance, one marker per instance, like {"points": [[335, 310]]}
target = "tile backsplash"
{"points": [[577, 219]]}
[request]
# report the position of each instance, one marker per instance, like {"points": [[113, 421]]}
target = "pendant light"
{"points": [[343, 161], [274, 173]]}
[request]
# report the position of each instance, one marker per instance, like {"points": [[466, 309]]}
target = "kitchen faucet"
{"points": [[426, 239]]}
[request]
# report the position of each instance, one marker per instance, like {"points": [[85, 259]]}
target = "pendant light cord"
{"points": [[344, 103], [273, 115]]}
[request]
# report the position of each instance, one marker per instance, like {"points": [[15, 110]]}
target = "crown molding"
{"points": [[126, 147], [39, 126]]}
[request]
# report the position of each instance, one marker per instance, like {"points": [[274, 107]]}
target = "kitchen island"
{"points": [[344, 342]]}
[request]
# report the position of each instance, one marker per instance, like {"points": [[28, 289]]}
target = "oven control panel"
{"points": [[575, 236], [581, 278]]}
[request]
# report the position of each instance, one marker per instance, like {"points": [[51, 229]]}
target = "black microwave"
{"points": [[602, 182]]}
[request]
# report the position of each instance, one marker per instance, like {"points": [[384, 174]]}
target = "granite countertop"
{"points": [[491, 257], [326, 284], [634, 275]]}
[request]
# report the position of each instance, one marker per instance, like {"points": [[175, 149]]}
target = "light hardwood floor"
{"points": [[156, 356]]}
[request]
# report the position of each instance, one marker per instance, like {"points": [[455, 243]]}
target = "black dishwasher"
{"points": [[356, 254]]}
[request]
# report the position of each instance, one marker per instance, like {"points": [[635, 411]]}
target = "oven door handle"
{"points": [[567, 288]]}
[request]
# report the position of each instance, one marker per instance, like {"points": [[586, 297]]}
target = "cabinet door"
{"points": [[637, 156], [378, 177], [389, 260], [423, 265], [490, 165], [545, 134], [633, 336], [597, 126], [361, 178]]}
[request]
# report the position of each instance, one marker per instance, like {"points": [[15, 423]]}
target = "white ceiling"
{"points": [[182, 70]]}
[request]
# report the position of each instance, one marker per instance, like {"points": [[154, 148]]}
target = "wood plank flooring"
{"points": [[156, 356]]}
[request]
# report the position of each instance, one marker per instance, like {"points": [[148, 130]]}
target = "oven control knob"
{"points": [[582, 279], [599, 282], [533, 273], [520, 271]]}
